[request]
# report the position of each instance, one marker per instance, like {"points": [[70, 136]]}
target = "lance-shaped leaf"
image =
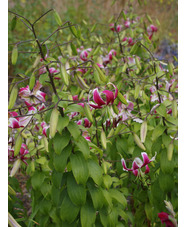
{"points": [[118, 196], [64, 75], [138, 141], [57, 18], [97, 196], [13, 97], [83, 146], [12, 222], [81, 83], [61, 141], [60, 161], [95, 171], [174, 109], [137, 90], [68, 211], [11, 190], [158, 131], [14, 55], [143, 131], [74, 130], [149, 18], [101, 74], [87, 215], [16, 167], [37, 180], [93, 28], [76, 192], [53, 122], [74, 50], [121, 98], [79, 167], [32, 81], [134, 48], [73, 30], [18, 145], [88, 112], [167, 166]]}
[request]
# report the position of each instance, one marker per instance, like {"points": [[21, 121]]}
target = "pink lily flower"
{"points": [[84, 54], [99, 102], [164, 217], [112, 53], [130, 41], [17, 122], [32, 97], [100, 66], [138, 164], [44, 127], [150, 30], [85, 122]]}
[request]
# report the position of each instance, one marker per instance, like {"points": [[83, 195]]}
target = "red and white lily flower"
{"points": [[32, 97], [85, 122], [84, 54], [129, 40], [138, 164], [108, 95], [17, 122], [44, 127], [150, 30]]}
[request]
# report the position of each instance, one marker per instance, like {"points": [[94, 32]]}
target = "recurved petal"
{"points": [[109, 96], [97, 98], [124, 165]]}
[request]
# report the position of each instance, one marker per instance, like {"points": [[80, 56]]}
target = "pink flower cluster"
{"points": [[138, 164]]}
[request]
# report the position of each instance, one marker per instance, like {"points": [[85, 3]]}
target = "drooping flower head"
{"points": [[138, 164], [105, 97], [32, 97], [150, 30]]}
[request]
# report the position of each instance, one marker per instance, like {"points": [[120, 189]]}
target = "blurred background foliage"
{"points": [[81, 12]]}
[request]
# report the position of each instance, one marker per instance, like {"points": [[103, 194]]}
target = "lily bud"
{"points": [[16, 167], [53, 122], [143, 131], [64, 75], [138, 142], [103, 139]]}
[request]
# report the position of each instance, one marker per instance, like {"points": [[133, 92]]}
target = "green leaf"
{"points": [[13, 23], [121, 98], [68, 211], [161, 110], [158, 131], [82, 144], [73, 29], [46, 188], [74, 108], [61, 141], [76, 192], [107, 180], [60, 161], [37, 180], [14, 55], [79, 167], [166, 182], [57, 18], [62, 123], [74, 129], [166, 165], [118, 196], [73, 47], [18, 144], [46, 206], [95, 171], [107, 197], [55, 194], [96, 195], [87, 215]]}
